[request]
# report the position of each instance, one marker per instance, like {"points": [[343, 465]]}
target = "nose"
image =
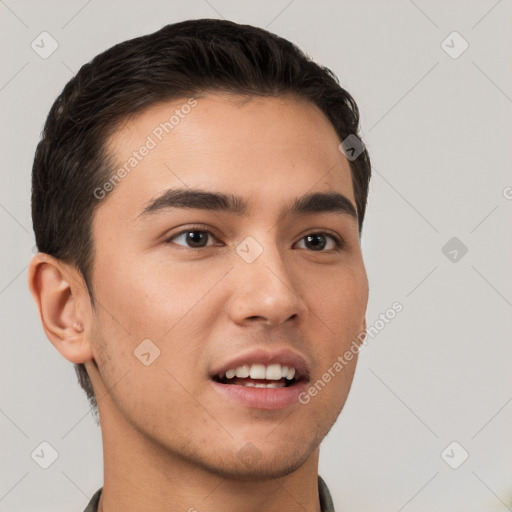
{"points": [[265, 289]]}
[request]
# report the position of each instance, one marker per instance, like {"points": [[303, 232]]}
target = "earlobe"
{"points": [[58, 292]]}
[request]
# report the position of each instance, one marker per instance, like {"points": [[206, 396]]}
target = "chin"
{"points": [[252, 463], [266, 468]]}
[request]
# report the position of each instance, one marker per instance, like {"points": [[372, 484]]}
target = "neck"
{"points": [[142, 475]]}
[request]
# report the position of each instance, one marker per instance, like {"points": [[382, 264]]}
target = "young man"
{"points": [[198, 199]]}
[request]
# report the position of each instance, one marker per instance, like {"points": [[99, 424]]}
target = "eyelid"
{"points": [[338, 240], [196, 227]]}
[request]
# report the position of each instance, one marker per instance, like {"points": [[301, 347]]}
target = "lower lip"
{"points": [[262, 398]]}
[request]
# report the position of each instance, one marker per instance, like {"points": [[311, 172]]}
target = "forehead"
{"points": [[265, 148]]}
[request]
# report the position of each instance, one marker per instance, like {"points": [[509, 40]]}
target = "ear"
{"points": [[64, 306]]}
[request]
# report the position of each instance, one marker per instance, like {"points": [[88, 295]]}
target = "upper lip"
{"points": [[284, 356]]}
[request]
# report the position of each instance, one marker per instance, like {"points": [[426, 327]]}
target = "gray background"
{"points": [[438, 130]]}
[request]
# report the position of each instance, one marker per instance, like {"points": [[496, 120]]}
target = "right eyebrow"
{"points": [[196, 199]]}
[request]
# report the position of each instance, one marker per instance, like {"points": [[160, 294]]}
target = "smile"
{"points": [[258, 376], [261, 379]]}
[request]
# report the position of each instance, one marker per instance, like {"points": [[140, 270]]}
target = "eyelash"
{"points": [[337, 240]]}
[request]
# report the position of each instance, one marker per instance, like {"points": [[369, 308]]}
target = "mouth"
{"points": [[263, 380], [272, 376]]}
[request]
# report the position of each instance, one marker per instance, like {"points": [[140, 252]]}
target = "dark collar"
{"points": [[326, 504]]}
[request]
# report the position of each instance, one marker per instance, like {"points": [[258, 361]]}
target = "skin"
{"points": [[171, 442]]}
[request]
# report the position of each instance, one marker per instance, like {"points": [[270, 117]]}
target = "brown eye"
{"points": [[193, 238], [316, 241]]}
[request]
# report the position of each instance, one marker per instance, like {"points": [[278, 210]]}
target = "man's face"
{"points": [[256, 290]]}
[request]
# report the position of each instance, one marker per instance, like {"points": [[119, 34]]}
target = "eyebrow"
{"points": [[316, 202]]}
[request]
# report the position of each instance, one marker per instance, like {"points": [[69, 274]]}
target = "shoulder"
{"points": [[93, 504]]}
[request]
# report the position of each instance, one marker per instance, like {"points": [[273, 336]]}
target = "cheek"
{"points": [[340, 301], [341, 307], [155, 310], [148, 301]]}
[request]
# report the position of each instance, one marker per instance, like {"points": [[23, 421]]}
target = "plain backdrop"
{"points": [[433, 387]]}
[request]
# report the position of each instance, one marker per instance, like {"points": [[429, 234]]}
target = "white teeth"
{"points": [[273, 372], [243, 371], [257, 371], [263, 385], [275, 385]]}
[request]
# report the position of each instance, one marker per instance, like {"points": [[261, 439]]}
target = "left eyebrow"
{"points": [[316, 202], [321, 202]]}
